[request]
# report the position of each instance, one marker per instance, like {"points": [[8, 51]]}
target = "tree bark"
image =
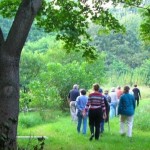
{"points": [[10, 51]]}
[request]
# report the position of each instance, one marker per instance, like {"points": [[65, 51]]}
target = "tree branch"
{"points": [[21, 26], [141, 7], [1, 37]]}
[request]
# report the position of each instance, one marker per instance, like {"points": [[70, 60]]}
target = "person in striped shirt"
{"points": [[97, 111]]}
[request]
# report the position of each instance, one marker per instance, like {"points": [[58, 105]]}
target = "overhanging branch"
{"points": [[21, 26]]}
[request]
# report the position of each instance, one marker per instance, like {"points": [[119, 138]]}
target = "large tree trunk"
{"points": [[9, 100], [10, 51]]}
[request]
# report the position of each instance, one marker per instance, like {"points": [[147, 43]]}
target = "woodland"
{"points": [[48, 72], [40, 65]]}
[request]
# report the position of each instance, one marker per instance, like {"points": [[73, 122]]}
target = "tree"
{"points": [[127, 48], [145, 70], [69, 18], [145, 26]]}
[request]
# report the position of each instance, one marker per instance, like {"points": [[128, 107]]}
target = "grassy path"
{"points": [[62, 134]]}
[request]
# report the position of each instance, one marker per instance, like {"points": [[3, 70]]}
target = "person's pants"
{"points": [[137, 101], [73, 110], [95, 117], [117, 107], [113, 110], [126, 120], [82, 121], [102, 126]]}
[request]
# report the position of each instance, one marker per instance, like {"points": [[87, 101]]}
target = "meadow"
{"points": [[62, 135]]}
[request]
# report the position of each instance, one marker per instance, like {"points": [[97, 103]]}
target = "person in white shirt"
{"points": [[113, 104]]}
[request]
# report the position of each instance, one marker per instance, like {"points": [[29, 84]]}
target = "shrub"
{"points": [[30, 119]]}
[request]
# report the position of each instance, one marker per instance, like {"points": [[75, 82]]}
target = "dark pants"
{"points": [[137, 100], [95, 117]]}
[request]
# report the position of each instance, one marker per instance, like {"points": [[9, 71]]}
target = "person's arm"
{"points": [[68, 98], [78, 103], [109, 99], [119, 106], [104, 108], [139, 94], [134, 102]]}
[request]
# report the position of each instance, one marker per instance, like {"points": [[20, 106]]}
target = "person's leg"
{"points": [[102, 126], [98, 119], [137, 99], [111, 111], [84, 125], [117, 107], [73, 110], [91, 124], [122, 124], [79, 123], [130, 125]]}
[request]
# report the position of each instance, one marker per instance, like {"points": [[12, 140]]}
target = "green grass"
{"points": [[62, 134]]}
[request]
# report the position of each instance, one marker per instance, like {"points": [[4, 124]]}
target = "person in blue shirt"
{"points": [[100, 90], [126, 110], [81, 102]]}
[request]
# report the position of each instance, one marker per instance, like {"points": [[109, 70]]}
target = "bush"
{"points": [[30, 119]]}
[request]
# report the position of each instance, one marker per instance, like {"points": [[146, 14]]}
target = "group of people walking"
{"points": [[96, 107]]}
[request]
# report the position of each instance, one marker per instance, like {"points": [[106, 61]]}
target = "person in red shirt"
{"points": [[119, 92], [97, 111]]}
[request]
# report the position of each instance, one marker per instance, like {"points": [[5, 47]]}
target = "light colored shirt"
{"points": [[113, 96], [81, 102], [119, 93]]}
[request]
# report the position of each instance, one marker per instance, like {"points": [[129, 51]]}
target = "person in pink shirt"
{"points": [[119, 92]]}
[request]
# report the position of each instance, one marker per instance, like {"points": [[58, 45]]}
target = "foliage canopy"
{"points": [[70, 19]]}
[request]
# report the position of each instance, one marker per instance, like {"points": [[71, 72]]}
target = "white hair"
{"points": [[75, 86]]}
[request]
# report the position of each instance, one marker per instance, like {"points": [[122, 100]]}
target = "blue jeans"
{"points": [[102, 126], [113, 107], [82, 121]]}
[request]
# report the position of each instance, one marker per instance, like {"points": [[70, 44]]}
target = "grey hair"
{"points": [[75, 86]]}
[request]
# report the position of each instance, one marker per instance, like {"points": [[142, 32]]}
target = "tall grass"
{"points": [[31, 119], [142, 121], [145, 92], [127, 78], [62, 134]]}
